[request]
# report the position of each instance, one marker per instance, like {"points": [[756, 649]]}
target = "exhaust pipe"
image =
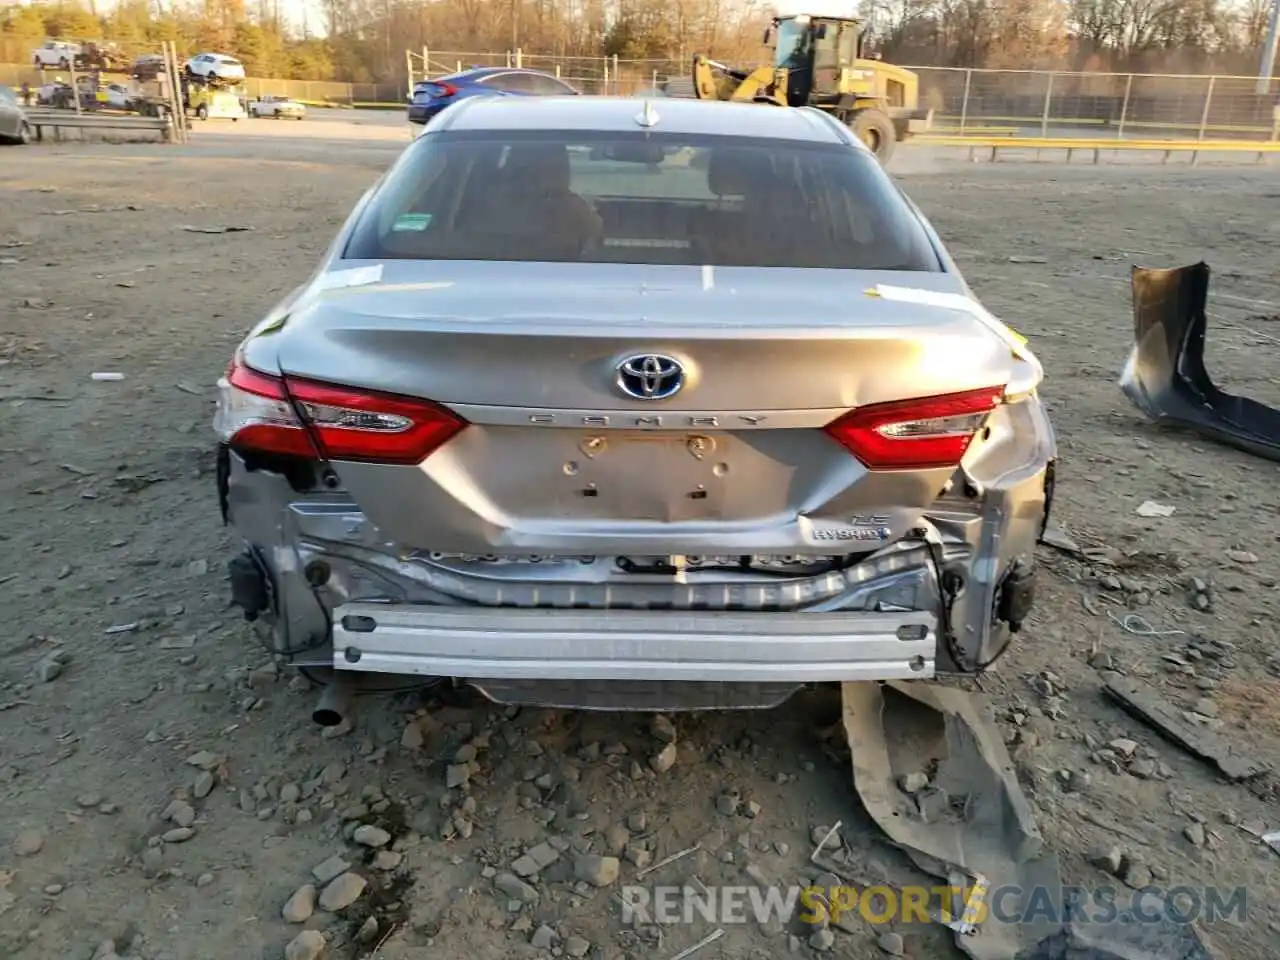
{"points": [[335, 703]]}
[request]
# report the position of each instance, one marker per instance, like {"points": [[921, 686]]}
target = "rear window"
{"points": [[640, 197]]}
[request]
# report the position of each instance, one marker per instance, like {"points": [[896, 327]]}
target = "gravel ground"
{"points": [[165, 794]]}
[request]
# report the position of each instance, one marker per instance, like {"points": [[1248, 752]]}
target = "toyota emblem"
{"points": [[650, 376]]}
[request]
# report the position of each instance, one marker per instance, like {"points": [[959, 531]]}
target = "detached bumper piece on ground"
{"points": [[968, 824], [1165, 375]]}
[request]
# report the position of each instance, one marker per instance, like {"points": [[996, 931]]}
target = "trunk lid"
{"points": [[559, 458]]}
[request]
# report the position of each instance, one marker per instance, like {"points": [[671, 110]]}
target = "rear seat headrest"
{"points": [[739, 171]]}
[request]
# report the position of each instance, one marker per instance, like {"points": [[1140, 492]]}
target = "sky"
{"points": [[819, 8]]}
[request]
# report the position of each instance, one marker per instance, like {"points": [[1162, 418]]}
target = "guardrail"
{"points": [[57, 120], [1097, 145], [1034, 124], [951, 130], [1199, 104]]}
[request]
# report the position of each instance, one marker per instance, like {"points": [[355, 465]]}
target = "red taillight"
{"points": [[438, 89], [260, 412], [353, 424], [915, 434], [254, 413]]}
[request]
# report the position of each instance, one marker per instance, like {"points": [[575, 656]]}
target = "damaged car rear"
{"points": [[596, 403]]}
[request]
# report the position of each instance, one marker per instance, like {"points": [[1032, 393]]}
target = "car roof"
{"points": [[675, 115], [476, 73]]}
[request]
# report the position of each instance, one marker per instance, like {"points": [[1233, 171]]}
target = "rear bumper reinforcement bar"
{"points": [[529, 644]]}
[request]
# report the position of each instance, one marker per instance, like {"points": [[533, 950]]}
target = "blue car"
{"points": [[432, 96]]}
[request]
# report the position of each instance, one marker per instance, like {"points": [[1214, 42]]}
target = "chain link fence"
{"points": [[318, 92], [600, 76], [1124, 105], [977, 101], [328, 92]]}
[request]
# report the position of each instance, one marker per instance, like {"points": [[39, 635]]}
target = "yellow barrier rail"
{"points": [[946, 130], [1099, 144], [974, 123]]}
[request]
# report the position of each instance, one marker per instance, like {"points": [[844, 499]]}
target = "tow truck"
{"points": [[212, 99]]}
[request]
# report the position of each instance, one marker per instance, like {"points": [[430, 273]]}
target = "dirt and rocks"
{"points": [[165, 794]]}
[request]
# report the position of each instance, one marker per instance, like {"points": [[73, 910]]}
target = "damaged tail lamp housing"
{"points": [[917, 434], [291, 416]]}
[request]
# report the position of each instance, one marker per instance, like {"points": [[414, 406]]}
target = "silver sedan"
{"points": [[14, 126], [277, 107], [634, 404]]}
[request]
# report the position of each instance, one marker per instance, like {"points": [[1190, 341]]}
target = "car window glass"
{"points": [[549, 86], [641, 198], [513, 82]]}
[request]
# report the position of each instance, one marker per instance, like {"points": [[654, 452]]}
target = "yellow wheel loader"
{"points": [[818, 62]]}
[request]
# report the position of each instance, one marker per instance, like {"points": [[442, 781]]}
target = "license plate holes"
{"points": [[697, 445], [666, 475]]}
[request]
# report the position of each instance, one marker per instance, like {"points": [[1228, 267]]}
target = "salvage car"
{"points": [[57, 54], [430, 97], [147, 67], [277, 107], [57, 94], [570, 418], [117, 96], [214, 66], [14, 126]]}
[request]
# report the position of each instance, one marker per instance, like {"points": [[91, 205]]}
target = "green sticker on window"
{"points": [[412, 221]]}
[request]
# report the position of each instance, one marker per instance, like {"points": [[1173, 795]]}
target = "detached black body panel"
{"points": [[1165, 376]]}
